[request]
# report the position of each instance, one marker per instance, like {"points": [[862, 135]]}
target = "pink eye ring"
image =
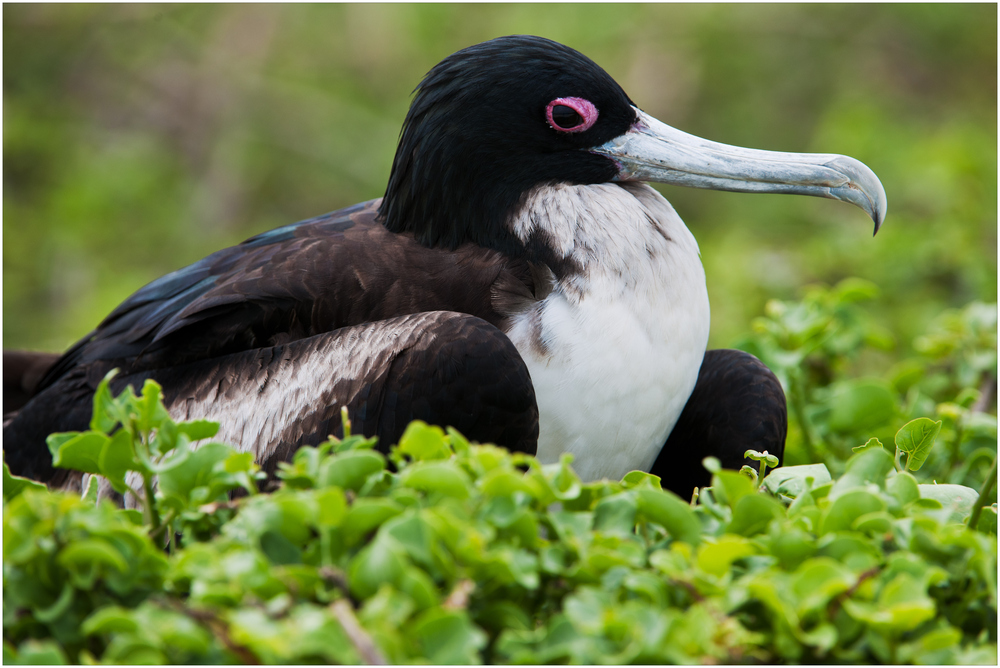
{"points": [[570, 114]]}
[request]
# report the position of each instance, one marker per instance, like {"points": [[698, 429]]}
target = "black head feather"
{"points": [[476, 139]]}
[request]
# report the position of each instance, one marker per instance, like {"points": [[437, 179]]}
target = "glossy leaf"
{"points": [[916, 438]]}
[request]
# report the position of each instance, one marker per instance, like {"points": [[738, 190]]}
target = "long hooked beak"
{"points": [[654, 151]]}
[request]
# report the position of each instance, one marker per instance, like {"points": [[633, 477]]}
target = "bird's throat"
{"points": [[614, 349]]}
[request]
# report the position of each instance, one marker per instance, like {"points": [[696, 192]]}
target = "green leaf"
{"points": [[712, 464], [422, 441], [790, 545], [458, 442], [878, 522], [765, 457], [988, 520], [40, 653], [332, 506], [870, 443], [559, 481], [201, 469], [448, 637], [849, 506], [731, 486], [902, 487], [854, 550], [81, 453], [958, 498], [902, 606], [238, 462], [616, 514], [90, 491], [149, 406], [916, 438], [861, 404], [818, 580], [437, 476], [870, 466], [106, 414], [753, 513], [366, 515], [165, 438], [853, 289], [59, 607], [380, 562], [56, 441], [350, 469], [415, 535], [640, 479], [88, 558], [13, 485], [196, 430], [118, 458], [278, 549], [112, 619], [668, 510], [717, 558], [504, 482], [793, 480], [419, 586]]}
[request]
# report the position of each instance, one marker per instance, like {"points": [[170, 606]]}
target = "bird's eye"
{"points": [[565, 117], [571, 114]]}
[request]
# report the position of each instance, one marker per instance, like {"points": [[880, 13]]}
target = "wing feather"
{"points": [[296, 281]]}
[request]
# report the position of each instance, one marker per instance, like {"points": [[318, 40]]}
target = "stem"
{"points": [[143, 452], [363, 643], [345, 422], [164, 526], [151, 513], [984, 492], [218, 627], [987, 392], [955, 448], [800, 415]]}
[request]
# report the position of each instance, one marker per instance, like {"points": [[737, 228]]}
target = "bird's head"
{"points": [[494, 120]]}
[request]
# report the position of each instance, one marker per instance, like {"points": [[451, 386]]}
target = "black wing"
{"points": [[290, 283], [251, 303], [442, 367], [737, 405]]}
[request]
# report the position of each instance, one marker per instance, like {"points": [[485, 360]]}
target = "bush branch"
{"points": [[984, 494], [362, 642]]}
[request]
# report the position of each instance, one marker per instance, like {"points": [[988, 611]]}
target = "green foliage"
{"points": [[449, 552], [815, 346], [134, 436]]}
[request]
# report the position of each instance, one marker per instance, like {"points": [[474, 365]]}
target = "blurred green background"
{"points": [[139, 138]]}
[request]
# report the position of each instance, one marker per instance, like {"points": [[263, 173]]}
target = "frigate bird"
{"points": [[519, 280]]}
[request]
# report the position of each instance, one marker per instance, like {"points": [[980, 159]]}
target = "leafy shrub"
{"points": [[813, 345], [451, 552]]}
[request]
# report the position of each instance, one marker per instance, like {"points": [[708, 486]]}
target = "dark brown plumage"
{"points": [[737, 405], [22, 372], [232, 317], [296, 281], [272, 400]]}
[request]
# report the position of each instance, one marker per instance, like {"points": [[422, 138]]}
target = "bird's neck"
{"points": [[624, 233]]}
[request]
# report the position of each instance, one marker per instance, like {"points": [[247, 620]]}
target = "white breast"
{"points": [[614, 350]]}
